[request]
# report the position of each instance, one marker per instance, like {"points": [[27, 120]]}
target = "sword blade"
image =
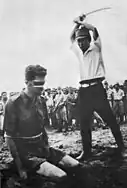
{"points": [[97, 10]]}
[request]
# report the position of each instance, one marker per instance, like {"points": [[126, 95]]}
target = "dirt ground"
{"points": [[108, 170]]}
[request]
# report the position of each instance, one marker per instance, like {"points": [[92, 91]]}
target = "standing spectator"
{"points": [[3, 102], [43, 94], [109, 92], [118, 106], [54, 120], [125, 99], [50, 105], [1, 117], [4, 98], [92, 95], [76, 110], [60, 109], [71, 103]]}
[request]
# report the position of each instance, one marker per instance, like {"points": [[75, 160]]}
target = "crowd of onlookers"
{"points": [[117, 96], [62, 106]]}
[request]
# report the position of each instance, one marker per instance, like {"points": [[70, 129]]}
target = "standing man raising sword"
{"points": [[92, 95]]}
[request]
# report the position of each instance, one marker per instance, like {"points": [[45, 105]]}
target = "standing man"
{"points": [[92, 95], [109, 92], [50, 105], [1, 118], [3, 102], [118, 106], [71, 103], [125, 99], [25, 134], [60, 109], [4, 97]]}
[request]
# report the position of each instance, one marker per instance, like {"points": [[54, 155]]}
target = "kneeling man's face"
{"points": [[38, 85]]}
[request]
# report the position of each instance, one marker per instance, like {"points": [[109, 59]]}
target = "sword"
{"points": [[83, 16], [97, 10]]}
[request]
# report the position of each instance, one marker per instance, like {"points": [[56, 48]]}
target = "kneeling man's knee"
{"points": [[62, 176], [53, 172]]}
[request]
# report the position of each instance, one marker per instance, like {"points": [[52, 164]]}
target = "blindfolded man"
{"points": [[24, 126]]}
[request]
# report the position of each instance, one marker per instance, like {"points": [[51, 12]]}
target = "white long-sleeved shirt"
{"points": [[91, 63]]}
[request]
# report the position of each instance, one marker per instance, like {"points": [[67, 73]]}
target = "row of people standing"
{"points": [[61, 105], [116, 96], [63, 110]]}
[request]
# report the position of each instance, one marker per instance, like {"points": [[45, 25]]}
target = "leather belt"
{"points": [[25, 138], [29, 140], [90, 84]]}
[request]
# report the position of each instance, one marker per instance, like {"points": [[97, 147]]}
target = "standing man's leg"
{"points": [[110, 103], [121, 111], [116, 110], [59, 120], [65, 118], [125, 108], [54, 120], [85, 113], [104, 110]]}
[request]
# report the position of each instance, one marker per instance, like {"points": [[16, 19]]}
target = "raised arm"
{"points": [[72, 37], [96, 37], [78, 21]]}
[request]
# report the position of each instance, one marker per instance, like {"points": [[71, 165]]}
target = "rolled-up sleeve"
{"points": [[10, 119]]}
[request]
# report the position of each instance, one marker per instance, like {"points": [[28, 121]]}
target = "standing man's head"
{"points": [[4, 96], [59, 90], [48, 92], [65, 91], [106, 86], [54, 92], [117, 86], [35, 78], [83, 38]]}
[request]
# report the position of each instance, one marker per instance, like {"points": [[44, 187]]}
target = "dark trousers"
{"points": [[90, 99]]}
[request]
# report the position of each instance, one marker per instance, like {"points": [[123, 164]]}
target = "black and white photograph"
{"points": [[63, 94]]}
